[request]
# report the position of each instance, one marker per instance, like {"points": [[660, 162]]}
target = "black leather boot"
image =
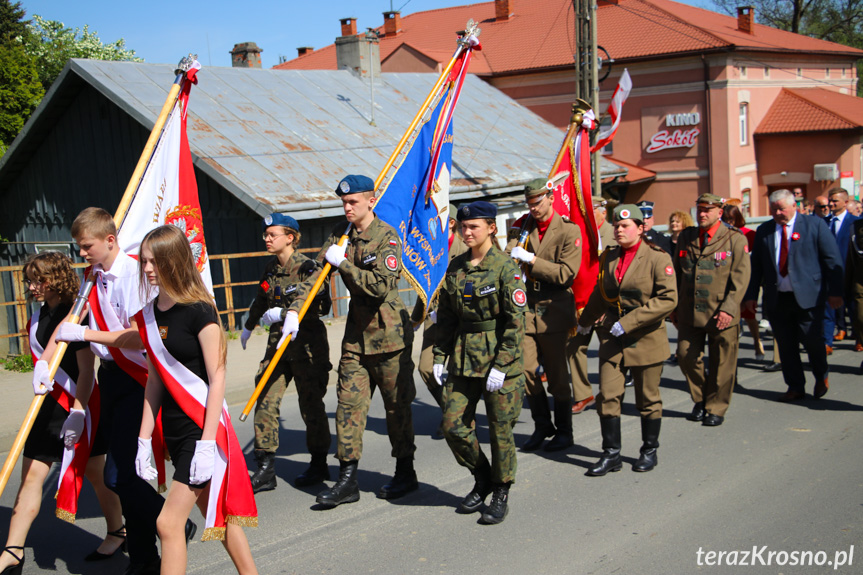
{"points": [[481, 488], [543, 427], [610, 460], [403, 482], [317, 471], [496, 511], [346, 489], [563, 422], [650, 438], [264, 479]]}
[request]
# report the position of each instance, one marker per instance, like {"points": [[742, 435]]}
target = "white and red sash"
{"points": [[132, 361], [231, 499], [74, 460]]}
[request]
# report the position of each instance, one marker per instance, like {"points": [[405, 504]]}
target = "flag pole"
{"points": [[84, 291], [463, 44]]}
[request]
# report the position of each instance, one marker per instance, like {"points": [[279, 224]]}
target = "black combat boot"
{"points": [[403, 482], [264, 479], [481, 488], [496, 511], [610, 460], [346, 489], [541, 420], [317, 471], [563, 422], [650, 438]]}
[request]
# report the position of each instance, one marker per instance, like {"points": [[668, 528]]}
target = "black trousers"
{"points": [[792, 326], [122, 408]]}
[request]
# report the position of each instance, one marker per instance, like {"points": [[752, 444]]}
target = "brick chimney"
{"points": [[392, 23], [501, 10], [303, 50], [246, 55], [745, 19], [349, 26]]}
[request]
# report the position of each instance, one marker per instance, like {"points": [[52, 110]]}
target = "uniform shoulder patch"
{"points": [[578, 242], [669, 271], [265, 285], [392, 263], [394, 243], [519, 298]]}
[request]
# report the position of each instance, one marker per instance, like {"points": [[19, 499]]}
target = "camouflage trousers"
{"points": [[393, 374], [311, 375], [426, 365], [502, 409]]}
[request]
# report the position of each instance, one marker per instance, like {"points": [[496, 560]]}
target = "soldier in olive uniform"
{"points": [[634, 293], [481, 330], [576, 346], [456, 248], [306, 360], [376, 348], [550, 258], [712, 266]]}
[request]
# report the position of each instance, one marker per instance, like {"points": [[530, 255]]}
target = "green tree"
{"points": [[52, 44], [20, 91], [13, 27]]}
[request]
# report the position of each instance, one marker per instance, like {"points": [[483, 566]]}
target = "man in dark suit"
{"points": [[841, 222], [796, 261]]}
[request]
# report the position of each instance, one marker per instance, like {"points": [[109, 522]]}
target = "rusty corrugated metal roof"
{"points": [[281, 139]]}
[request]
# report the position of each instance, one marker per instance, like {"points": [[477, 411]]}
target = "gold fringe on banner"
{"points": [[214, 534], [65, 515]]}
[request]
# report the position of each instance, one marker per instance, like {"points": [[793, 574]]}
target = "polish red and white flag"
{"points": [[615, 109]]}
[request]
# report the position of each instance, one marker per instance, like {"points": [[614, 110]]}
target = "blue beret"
{"points": [[277, 219], [477, 210], [355, 184]]}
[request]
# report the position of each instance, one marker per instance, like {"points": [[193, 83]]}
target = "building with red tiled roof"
{"points": [[708, 78]]}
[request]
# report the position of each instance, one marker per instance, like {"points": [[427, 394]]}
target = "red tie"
{"points": [[783, 252]]}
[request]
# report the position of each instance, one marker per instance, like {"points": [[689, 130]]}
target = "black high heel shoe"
{"points": [[14, 569], [96, 556]]}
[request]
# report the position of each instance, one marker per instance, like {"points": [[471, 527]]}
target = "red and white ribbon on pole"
{"points": [[615, 108]]}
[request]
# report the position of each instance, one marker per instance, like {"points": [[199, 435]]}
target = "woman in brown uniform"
{"points": [[635, 292]]}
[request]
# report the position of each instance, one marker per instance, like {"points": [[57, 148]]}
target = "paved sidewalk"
{"points": [[17, 390]]}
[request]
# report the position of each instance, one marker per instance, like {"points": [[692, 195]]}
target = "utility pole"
{"points": [[587, 68]]}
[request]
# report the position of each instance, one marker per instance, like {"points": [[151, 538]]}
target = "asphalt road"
{"points": [[778, 478]]}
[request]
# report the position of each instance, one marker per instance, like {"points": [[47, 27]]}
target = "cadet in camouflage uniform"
{"points": [[306, 360], [481, 331], [550, 258], [456, 247], [634, 294], [376, 348], [713, 270]]}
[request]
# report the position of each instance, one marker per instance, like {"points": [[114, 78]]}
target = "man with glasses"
{"points": [[550, 260], [651, 235], [821, 208]]}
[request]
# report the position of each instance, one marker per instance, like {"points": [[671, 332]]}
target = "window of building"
{"points": [[608, 149], [744, 124], [799, 73], [742, 71], [766, 72], [827, 72], [844, 71]]}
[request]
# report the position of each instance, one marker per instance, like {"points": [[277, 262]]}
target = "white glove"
{"points": [[433, 316], [244, 337], [617, 329], [437, 369], [143, 467], [290, 327], [203, 462], [495, 380], [272, 315], [521, 254], [41, 372], [583, 330], [71, 332], [73, 427], [336, 254]]}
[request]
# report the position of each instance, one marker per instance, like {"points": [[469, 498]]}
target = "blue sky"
{"points": [[163, 32]]}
